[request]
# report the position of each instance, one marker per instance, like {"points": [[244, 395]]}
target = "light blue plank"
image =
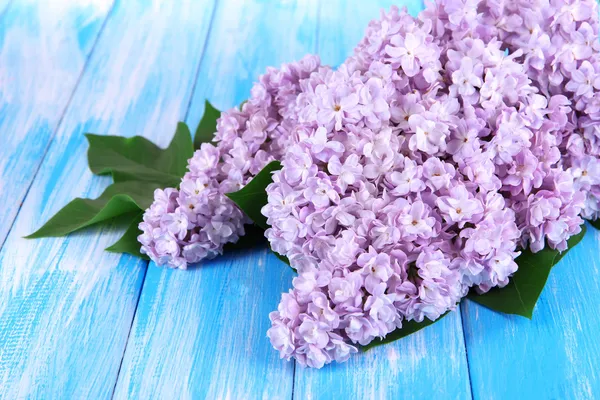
{"points": [[429, 364], [66, 306], [43, 50], [554, 356], [201, 333], [247, 38]]}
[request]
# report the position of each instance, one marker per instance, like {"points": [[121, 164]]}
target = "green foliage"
{"points": [[128, 243], [207, 126], [137, 167], [138, 159], [252, 197], [118, 199]]}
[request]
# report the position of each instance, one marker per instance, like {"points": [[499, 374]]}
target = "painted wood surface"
{"points": [[66, 306], [70, 322], [43, 50], [207, 326]]}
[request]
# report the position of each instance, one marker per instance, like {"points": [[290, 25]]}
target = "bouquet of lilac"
{"points": [[441, 160]]}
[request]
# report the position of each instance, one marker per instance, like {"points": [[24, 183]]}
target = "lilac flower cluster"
{"points": [[194, 222], [423, 164], [414, 172]]}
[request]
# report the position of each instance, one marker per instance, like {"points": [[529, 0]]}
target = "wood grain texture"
{"points": [[429, 364], [66, 306], [43, 49], [554, 356], [201, 333]]}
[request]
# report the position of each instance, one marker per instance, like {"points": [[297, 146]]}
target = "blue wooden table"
{"points": [[80, 323]]}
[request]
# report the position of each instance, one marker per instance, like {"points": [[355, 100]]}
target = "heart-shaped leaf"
{"points": [[207, 126], [252, 197], [138, 159], [408, 328], [128, 243], [118, 199], [522, 292], [595, 223]]}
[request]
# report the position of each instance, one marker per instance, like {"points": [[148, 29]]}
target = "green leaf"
{"points": [[595, 223], [408, 328], [522, 292], [118, 199], [282, 258], [252, 197], [207, 126], [138, 159], [128, 243]]}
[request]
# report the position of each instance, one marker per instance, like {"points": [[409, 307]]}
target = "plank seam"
{"points": [[58, 124], [294, 380], [137, 302], [197, 75], [464, 336], [147, 264]]}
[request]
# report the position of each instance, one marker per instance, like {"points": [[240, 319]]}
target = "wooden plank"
{"points": [[201, 333], [66, 306], [43, 50], [429, 364], [554, 356]]}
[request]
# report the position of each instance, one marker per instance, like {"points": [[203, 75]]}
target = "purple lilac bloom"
{"points": [[194, 223], [478, 138], [415, 172]]}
